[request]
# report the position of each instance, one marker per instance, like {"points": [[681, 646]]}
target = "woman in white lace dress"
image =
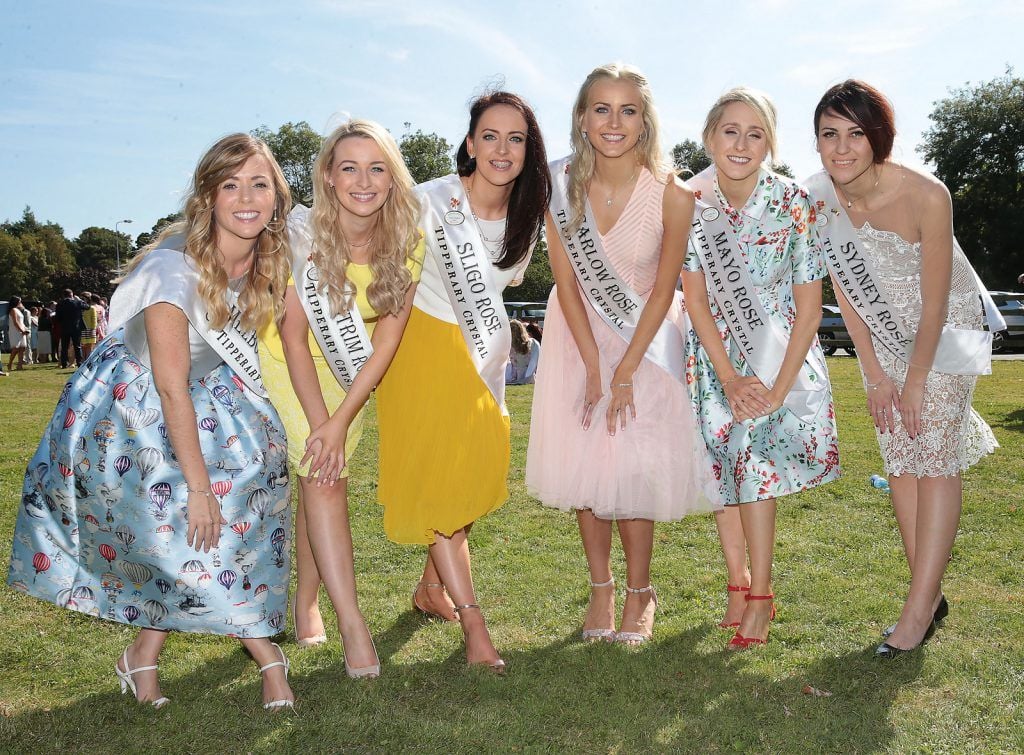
{"points": [[926, 428]]}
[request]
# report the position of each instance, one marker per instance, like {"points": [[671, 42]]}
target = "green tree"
{"points": [[976, 143], [147, 237], [295, 145], [427, 156], [689, 157], [14, 261], [99, 248], [89, 279], [40, 252], [537, 280]]}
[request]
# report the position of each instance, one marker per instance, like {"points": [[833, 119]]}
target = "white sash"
{"points": [[169, 275], [617, 304], [763, 342], [343, 338], [960, 351], [462, 260]]}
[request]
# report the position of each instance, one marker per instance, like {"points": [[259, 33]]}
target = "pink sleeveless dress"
{"points": [[658, 467]]}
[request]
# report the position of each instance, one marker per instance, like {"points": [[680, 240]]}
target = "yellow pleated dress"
{"points": [[278, 381]]}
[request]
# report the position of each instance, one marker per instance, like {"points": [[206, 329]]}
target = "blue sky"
{"points": [[106, 105]]}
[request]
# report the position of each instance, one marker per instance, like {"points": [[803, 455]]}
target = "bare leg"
{"points": [[145, 651], [904, 505], [758, 520], [734, 548], [637, 537], [305, 607], [330, 538], [938, 516], [434, 599], [275, 681], [451, 557], [596, 535]]}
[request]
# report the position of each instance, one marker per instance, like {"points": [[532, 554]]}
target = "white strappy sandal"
{"points": [[127, 683], [278, 704], [599, 635], [638, 638]]}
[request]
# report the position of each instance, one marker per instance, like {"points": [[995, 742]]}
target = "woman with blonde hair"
{"points": [[757, 374], [613, 349], [164, 464], [523, 356], [356, 257]]}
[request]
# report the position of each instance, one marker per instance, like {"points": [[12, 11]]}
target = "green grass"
{"points": [[839, 578]]}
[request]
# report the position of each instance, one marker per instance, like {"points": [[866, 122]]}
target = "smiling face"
{"points": [[844, 148], [244, 205], [499, 145], [739, 143], [360, 175], [613, 120]]}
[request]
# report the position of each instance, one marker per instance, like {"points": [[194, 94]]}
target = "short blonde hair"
{"points": [[759, 102]]}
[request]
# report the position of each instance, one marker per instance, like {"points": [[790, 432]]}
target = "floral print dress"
{"points": [[778, 454]]}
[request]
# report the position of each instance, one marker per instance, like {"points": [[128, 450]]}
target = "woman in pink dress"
{"points": [[613, 435]]}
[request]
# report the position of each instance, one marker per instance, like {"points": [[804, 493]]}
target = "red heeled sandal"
{"points": [[738, 641], [733, 588]]}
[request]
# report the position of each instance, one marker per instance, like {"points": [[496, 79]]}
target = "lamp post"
{"points": [[117, 244]]}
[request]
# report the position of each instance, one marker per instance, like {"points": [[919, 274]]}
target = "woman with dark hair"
{"points": [[911, 303], [158, 497], [444, 428], [614, 349]]}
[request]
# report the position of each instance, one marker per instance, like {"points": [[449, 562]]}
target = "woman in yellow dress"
{"points": [[356, 257], [444, 429]]}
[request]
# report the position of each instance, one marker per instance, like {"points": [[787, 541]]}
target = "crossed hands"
{"points": [[749, 398]]}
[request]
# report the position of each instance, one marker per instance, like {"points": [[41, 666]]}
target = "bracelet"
{"points": [[207, 493], [733, 379], [622, 385], [874, 386]]}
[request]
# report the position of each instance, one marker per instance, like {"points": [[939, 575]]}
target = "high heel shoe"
{"points": [[305, 642], [738, 641], [733, 588], [885, 650], [497, 666], [278, 704], [431, 614], [637, 638], [127, 683], [941, 612], [597, 635], [366, 672]]}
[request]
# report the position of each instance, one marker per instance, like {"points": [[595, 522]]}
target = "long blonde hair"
{"points": [[394, 239], [263, 294], [648, 149]]}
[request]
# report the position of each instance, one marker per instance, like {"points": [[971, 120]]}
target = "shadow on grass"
{"points": [[1014, 421], [681, 693]]}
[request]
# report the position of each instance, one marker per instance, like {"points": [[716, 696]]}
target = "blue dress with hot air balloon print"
{"points": [[101, 527]]}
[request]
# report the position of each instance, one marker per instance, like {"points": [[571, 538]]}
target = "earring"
{"points": [[331, 184]]}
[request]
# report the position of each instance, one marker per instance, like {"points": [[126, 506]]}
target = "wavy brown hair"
{"points": [[531, 193], [263, 294], [648, 150], [394, 239], [520, 337]]}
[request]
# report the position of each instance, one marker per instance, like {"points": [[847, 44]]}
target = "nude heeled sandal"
{"points": [[637, 638], [497, 666]]}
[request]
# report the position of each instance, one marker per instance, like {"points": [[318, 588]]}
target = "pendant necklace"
{"points": [[501, 236], [611, 197]]}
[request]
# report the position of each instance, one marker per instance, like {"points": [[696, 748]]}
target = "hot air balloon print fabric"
{"points": [[102, 525]]}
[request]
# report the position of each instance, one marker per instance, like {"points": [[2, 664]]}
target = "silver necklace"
{"points": [[611, 197], [359, 246], [850, 202], [501, 237]]}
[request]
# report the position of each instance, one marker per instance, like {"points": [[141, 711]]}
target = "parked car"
{"points": [[1011, 307], [832, 332], [527, 311]]}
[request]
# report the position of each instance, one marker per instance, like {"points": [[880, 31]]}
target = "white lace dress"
{"points": [[953, 436]]}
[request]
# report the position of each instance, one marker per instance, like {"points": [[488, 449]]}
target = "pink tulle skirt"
{"points": [[657, 468]]}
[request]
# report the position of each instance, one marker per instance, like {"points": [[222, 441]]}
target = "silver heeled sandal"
{"points": [[637, 638], [127, 683], [599, 635], [497, 666]]}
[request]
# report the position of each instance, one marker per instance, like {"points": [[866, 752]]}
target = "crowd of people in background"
{"points": [[63, 332]]}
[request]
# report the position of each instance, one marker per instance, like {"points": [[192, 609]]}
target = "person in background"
{"points": [[17, 333]]}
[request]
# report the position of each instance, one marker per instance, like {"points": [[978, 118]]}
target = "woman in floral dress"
{"points": [[773, 433]]}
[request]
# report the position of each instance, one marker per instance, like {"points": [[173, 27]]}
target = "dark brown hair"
{"points": [[531, 193], [868, 108]]}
